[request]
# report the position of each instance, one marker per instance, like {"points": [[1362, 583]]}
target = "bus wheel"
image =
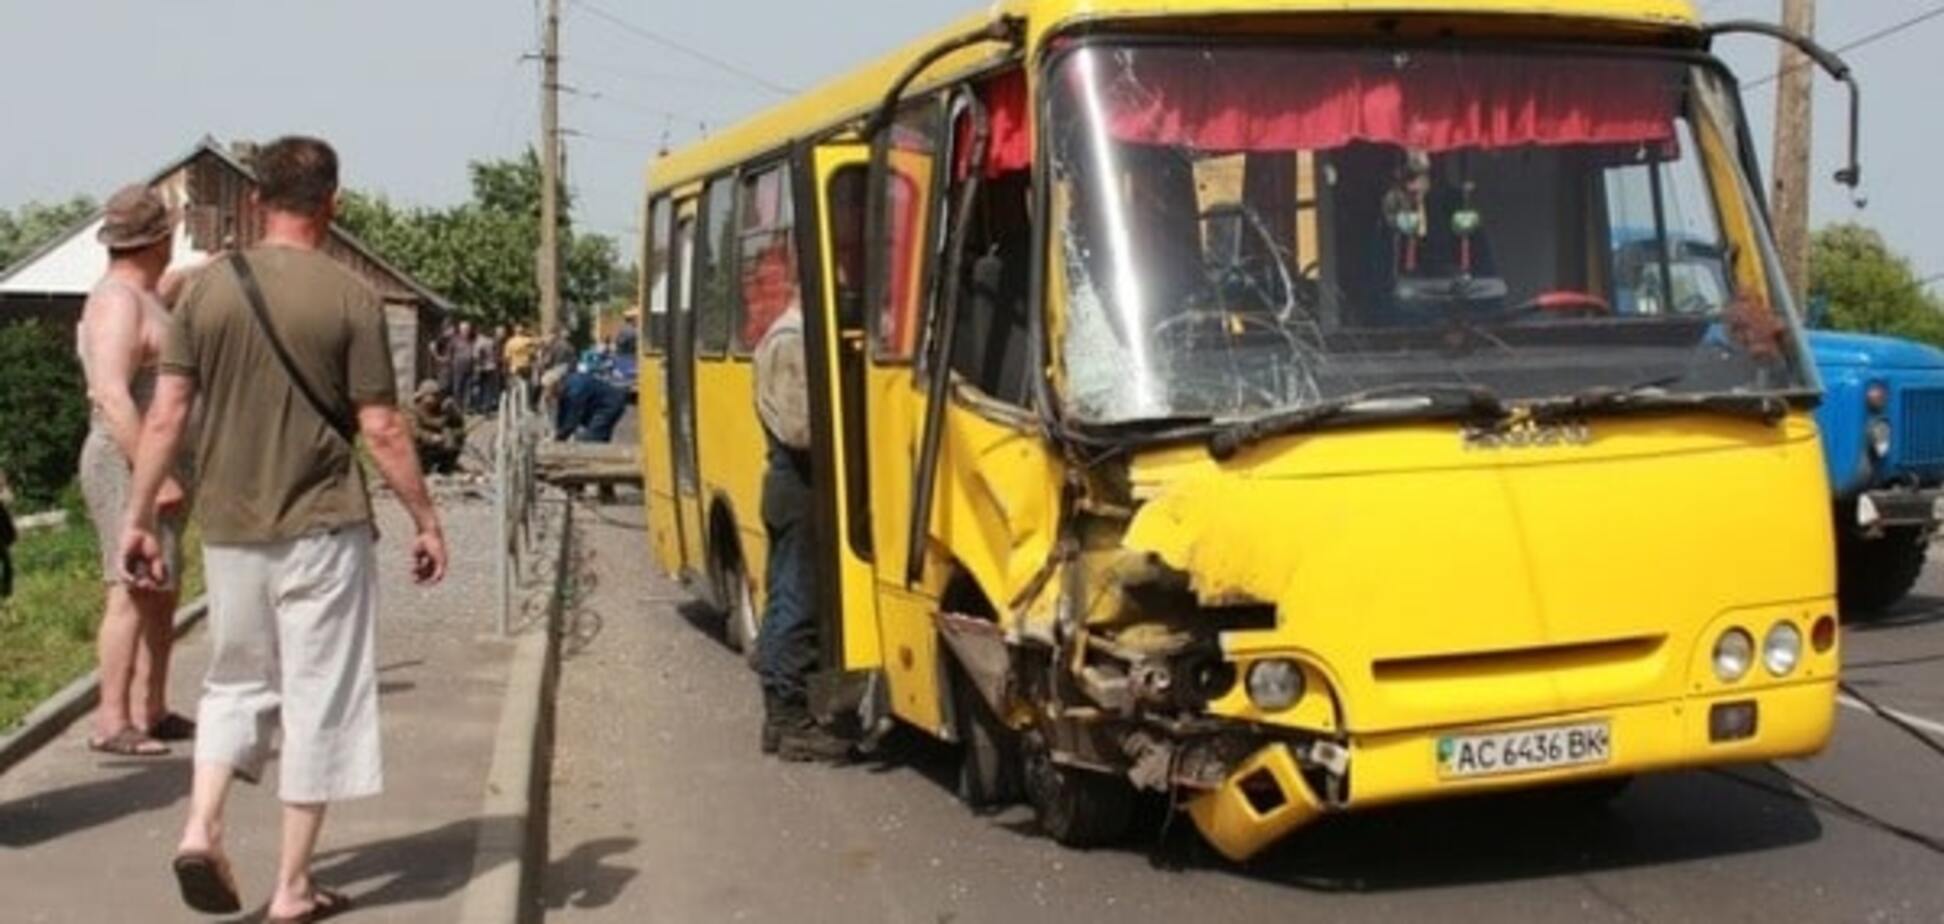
{"points": [[1078, 808], [989, 762], [740, 614], [1873, 574]]}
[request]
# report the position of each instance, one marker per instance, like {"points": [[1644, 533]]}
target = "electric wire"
{"points": [[1870, 39], [1892, 718], [682, 48]]}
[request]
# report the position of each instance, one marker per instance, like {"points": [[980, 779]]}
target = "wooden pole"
{"points": [[1794, 128], [549, 257]]}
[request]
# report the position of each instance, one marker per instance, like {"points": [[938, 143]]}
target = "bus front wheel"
{"points": [[989, 763], [1076, 807]]}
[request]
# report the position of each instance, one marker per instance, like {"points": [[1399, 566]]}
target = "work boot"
{"points": [[778, 716], [808, 742]]}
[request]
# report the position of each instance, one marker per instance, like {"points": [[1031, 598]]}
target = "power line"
{"points": [[1870, 39], [679, 47], [658, 77]]}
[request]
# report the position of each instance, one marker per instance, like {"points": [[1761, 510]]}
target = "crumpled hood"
{"points": [[1832, 348], [1495, 553]]}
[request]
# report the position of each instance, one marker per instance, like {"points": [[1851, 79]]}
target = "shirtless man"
{"points": [[120, 339]]}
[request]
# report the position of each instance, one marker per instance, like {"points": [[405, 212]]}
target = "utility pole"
{"points": [[549, 256], [1794, 131]]}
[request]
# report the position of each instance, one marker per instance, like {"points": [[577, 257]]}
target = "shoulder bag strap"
{"points": [[253, 293]]}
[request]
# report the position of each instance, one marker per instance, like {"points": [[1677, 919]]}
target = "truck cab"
{"points": [[1882, 423]]}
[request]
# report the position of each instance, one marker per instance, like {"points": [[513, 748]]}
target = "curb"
{"points": [[510, 853], [57, 712]]}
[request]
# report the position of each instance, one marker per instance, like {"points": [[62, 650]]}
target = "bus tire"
{"points": [[1873, 574], [1076, 807], [990, 765], [740, 621]]}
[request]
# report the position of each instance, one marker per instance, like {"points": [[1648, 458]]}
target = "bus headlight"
{"points": [[1734, 654], [1782, 649], [1879, 432], [1275, 684]]}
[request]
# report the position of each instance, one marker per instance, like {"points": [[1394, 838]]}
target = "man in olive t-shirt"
{"points": [[288, 540]]}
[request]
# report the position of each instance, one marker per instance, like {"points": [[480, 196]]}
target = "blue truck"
{"points": [[1882, 423]]}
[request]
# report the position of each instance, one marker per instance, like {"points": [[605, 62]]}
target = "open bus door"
{"points": [[834, 178], [693, 561]]}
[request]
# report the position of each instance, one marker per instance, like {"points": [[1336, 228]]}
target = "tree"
{"points": [[481, 254], [43, 410], [34, 224], [1869, 288]]}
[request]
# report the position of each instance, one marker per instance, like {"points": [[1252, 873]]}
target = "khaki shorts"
{"points": [[105, 480]]}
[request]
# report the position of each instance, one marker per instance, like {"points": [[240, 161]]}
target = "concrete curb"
{"points": [[510, 854], [57, 712]]}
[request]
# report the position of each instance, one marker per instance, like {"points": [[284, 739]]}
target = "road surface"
{"points": [[664, 811]]}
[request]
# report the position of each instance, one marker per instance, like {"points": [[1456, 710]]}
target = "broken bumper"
{"points": [[1266, 796]]}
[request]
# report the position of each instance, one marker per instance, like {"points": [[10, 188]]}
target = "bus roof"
{"points": [[854, 94]]}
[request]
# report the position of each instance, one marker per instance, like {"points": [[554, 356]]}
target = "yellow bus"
{"points": [[1292, 406]]}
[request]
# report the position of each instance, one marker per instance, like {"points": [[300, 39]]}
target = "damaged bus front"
{"points": [[1369, 485]]}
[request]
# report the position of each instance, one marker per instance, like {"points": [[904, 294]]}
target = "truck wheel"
{"points": [[1873, 574], [989, 763], [1078, 808]]}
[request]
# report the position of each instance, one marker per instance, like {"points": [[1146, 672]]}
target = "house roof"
{"points": [[72, 261]]}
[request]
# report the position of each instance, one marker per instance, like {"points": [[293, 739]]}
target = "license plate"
{"points": [[1525, 750]]}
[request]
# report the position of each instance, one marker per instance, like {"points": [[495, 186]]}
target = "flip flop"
{"points": [[206, 883], [173, 727], [325, 904], [129, 742]]}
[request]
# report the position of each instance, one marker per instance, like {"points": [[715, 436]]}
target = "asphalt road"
{"points": [[664, 811]]}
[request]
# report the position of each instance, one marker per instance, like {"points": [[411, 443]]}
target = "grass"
{"points": [[47, 629]]}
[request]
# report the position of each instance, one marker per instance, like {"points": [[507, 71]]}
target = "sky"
{"points": [[102, 93]]}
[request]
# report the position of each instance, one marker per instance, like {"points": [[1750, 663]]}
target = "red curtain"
{"points": [[1283, 101], [1010, 146]]}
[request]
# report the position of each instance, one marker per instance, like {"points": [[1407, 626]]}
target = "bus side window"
{"points": [[907, 204], [766, 255], [715, 289], [846, 195], [656, 264]]}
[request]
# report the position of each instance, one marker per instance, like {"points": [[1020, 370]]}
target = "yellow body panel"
{"points": [[1495, 584], [730, 452], [657, 462]]}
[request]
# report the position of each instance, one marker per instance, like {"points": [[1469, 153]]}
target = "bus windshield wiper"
{"points": [[1405, 399], [1654, 396]]}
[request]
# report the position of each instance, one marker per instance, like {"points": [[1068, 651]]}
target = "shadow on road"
{"points": [[150, 784], [585, 879], [1914, 610]]}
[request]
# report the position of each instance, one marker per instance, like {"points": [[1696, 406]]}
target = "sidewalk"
{"points": [[88, 838]]}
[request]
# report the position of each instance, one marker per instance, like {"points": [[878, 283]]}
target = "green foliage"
{"points": [[24, 231], [481, 254], [47, 628], [1869, 288], [43, 410]]}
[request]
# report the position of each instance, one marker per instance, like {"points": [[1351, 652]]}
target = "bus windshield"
{"points": [[1249, 228]]}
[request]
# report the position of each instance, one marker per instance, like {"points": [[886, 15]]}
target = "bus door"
{"points": [[900, 239], [835, 178], [651, 389], [681, 396]]}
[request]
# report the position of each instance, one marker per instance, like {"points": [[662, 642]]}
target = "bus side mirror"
{"points": [[1850, 175]]}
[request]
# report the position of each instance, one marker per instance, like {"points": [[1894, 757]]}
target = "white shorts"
{"points": [[293, 625]]}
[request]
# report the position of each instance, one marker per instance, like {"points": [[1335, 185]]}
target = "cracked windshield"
{"points": [[1253, 229]]}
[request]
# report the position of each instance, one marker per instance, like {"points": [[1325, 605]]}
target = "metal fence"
{"points": [[516, 442]]}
